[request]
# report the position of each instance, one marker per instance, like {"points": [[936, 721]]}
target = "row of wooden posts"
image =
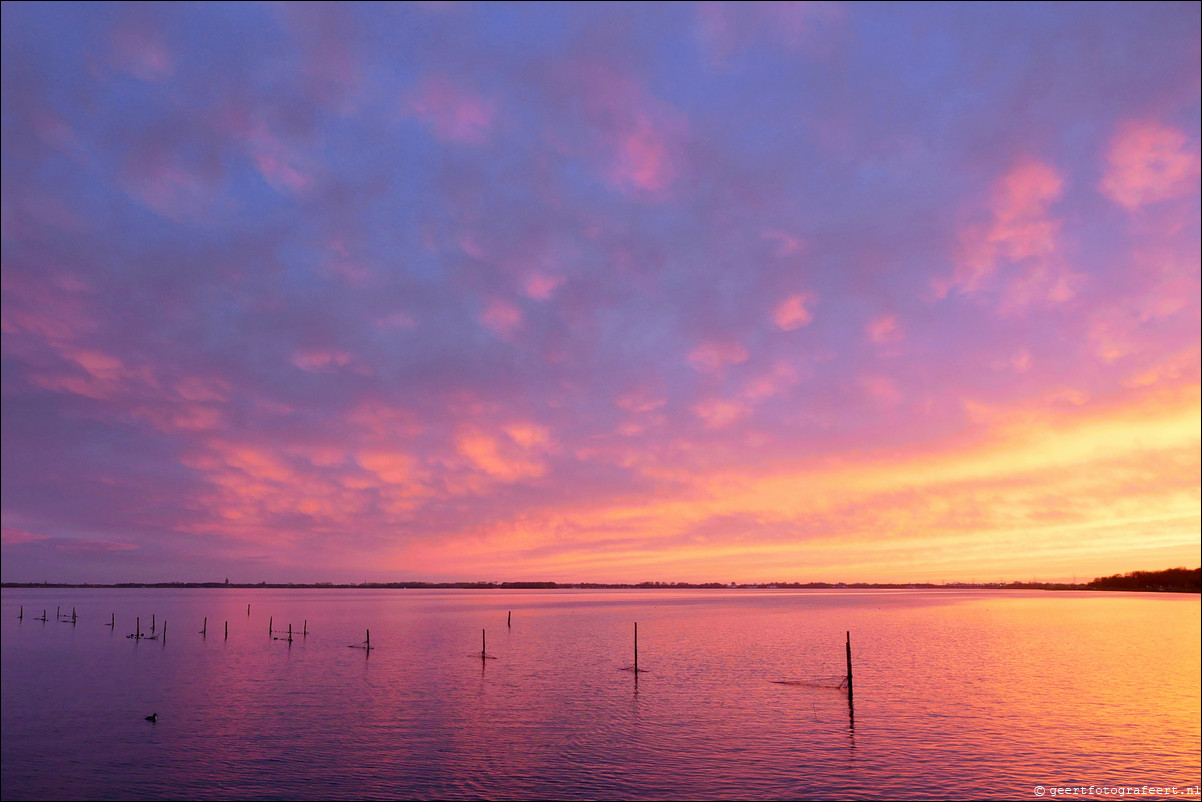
{"points": [[366, 644]]}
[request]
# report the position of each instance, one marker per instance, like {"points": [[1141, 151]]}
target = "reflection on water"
{"points": [[957, 694]]}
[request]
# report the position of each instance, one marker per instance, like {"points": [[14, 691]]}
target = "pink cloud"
{"points": [[1016, 251], [278, 164], [501, 317], [507, 461], [881, 389], [885, 330], [638, 140], [724, 30], [141, 51], [641, 400], [781, 377], [14, 537], [1148, 162], [793, 312], [786, 244], [719, 413], [541, 286], [83, 546], [712, 357], [642, 161], [454, 113], [320, 360], [393, 467]]}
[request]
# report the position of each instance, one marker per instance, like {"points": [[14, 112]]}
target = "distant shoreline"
{"points": [[485, 586]]}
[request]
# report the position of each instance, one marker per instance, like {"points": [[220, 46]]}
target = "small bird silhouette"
{"points": [[153, 718]]}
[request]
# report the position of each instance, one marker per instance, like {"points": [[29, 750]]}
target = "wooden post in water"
{"points": [[290, 633], [72, 615], [21, 615], [636, 647], [164, 630], [270, 621], [483, 645], [368, 641], [204, 629], [509, 619], [138, 628], [152, 623], [248, 610], [306, 631], [849, 690], [58, 612], [227, 630]]}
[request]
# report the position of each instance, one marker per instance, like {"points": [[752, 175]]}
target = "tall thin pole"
{"points": [[483, 645], [849, 689], [636, 647], [204, 629]]}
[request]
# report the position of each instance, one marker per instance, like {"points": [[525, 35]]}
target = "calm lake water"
{"points": [[958, 694]]}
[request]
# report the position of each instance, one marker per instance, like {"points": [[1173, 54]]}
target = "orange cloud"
{"points": [[1094, 488], [511, 458]]}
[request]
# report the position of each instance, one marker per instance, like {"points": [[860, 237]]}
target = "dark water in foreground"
{"points": [[973, 694]]}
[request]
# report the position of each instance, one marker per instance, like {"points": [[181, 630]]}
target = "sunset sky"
{"points": [[678, 292]]}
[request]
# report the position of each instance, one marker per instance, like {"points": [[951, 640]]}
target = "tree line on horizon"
{"points": [[1180, 580]]}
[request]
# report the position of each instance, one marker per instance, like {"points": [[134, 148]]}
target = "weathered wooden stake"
{"points": [[270, 621], [306, 632], [483, 645], [164, 629], [152, 623], [509, 619], [138, 628], [368, 641], [248, 610], [290, 633], [849, 690], [21, 615], [72, 615], [227, 630], [58, 612], [113, 620], [636, 647], [204, 629]]}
